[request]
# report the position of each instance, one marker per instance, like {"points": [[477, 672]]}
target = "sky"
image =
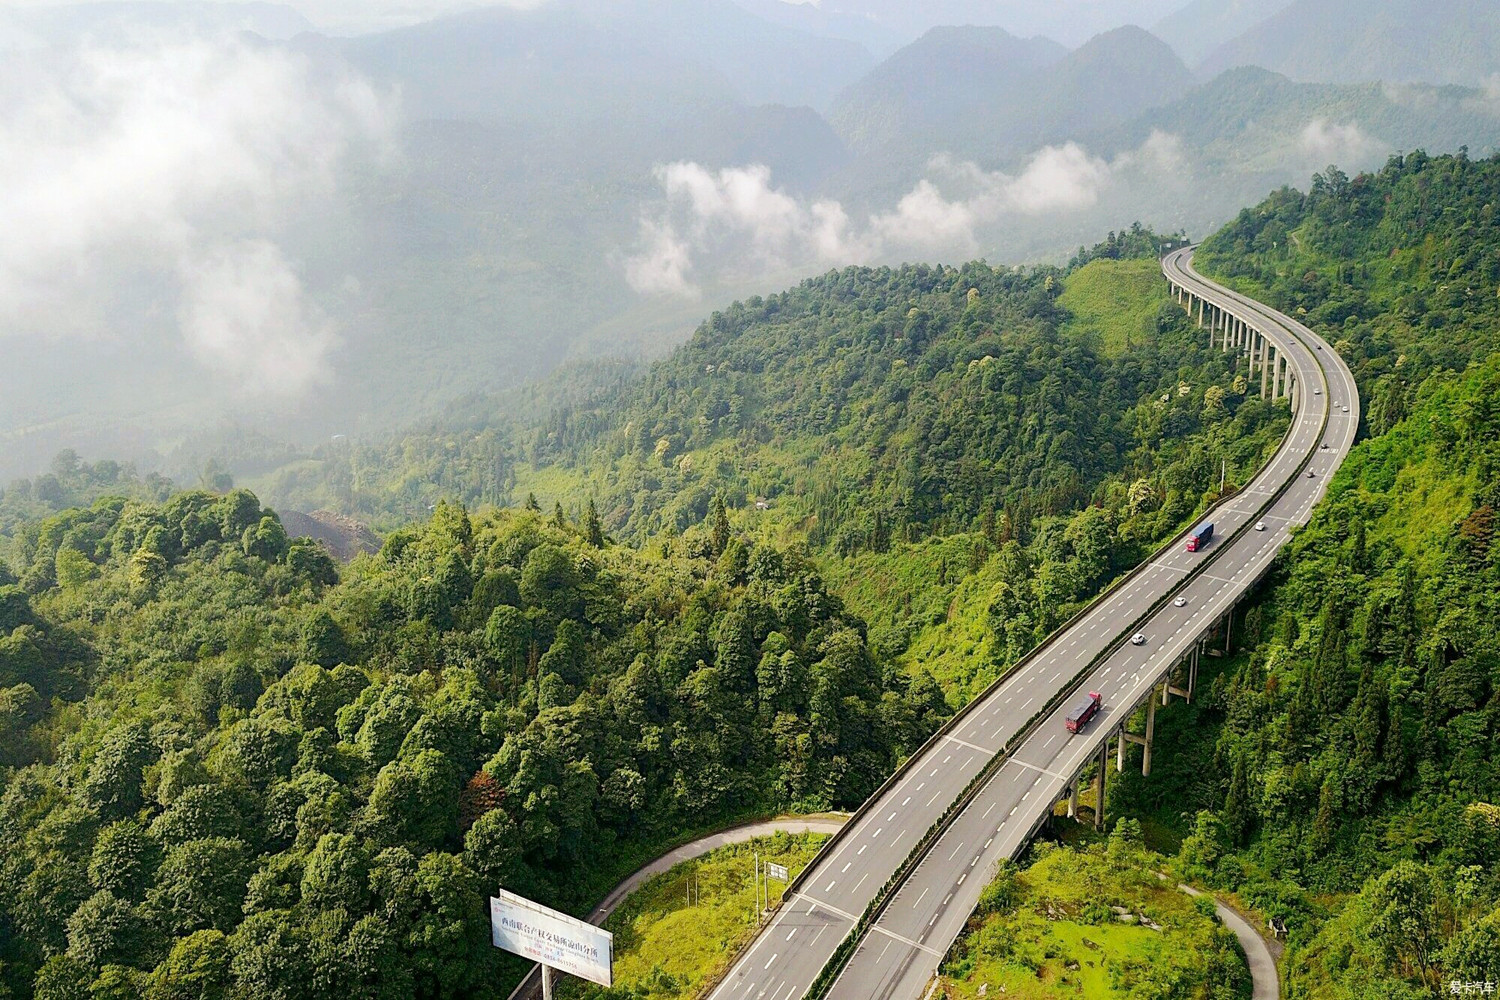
{"points": [[1070, 21]]}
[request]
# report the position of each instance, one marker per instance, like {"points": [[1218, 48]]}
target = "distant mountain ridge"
{"points": [[916, 89], [1396, 41], [606, 58], [1203, 25], [65, 24], [1013, 96]]}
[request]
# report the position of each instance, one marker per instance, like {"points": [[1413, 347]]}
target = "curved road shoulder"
{"points": [[821, 823], [1257, 952]]}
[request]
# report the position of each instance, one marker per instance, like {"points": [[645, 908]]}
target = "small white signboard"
{"points": [[776, 871], [554, 939]]}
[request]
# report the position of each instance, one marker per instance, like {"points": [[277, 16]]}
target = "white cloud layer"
{"points": [[171, 164], [1326, 142], [730, 218]]}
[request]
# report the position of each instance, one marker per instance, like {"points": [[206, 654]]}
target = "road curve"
{"points": [[1265, 980], [900, 951], [531, 986]]}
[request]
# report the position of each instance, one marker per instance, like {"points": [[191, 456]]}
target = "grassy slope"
{"points": [[1114, 303], [1055, 936], [664, 946]]}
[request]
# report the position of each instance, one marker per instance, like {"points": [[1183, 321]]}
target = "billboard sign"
{"points": [[554, 939], [776, 871]]}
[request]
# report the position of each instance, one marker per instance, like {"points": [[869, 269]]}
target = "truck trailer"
{"points": [[1080, 716]]}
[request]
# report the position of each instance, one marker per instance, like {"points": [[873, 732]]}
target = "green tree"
{"points": [[124, 860], [718, 519], [1404, 921], [197, 968], [105, 929], [593, 528], [201, 886]]}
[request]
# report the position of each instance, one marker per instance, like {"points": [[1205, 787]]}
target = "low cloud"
{"points": [[717, 222], [172, 164], [1325, 142], [244, 314]]}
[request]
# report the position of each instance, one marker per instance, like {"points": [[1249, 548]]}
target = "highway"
{"points": [[899, 952]]}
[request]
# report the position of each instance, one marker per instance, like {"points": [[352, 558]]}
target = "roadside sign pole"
{"points": [[546, 982]]}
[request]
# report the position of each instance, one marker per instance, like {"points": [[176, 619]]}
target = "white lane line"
{"points": [[768, 963], [964, 743], [1041, 769], [908, 941], [819, 904]]}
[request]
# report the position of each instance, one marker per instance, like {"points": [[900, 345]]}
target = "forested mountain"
{"points": [[1353, 752], [1397, 41], [1247, 127], [223, 765]]}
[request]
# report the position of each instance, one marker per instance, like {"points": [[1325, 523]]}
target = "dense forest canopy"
{"points": [[226, 765]]}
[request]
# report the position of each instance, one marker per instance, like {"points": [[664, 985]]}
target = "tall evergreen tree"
{"points": [[593, 530]]}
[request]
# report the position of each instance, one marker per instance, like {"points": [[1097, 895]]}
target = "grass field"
{"points": [[666, 946], [1094, 923]]}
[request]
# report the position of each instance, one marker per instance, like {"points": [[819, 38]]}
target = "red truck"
{"points": [[1080, 716], [1200, 538]]}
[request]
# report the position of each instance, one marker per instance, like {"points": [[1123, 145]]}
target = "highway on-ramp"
{"points": [[900, 951]]}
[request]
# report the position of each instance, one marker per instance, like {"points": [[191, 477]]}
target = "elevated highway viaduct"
{"points": [[979, 790]]}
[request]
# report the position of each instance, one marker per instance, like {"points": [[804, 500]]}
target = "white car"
{"points": [[1138, 639], [1323, 446], [1260, 526], [1317, 391], [1181, 602], [1346, 409], [1310, 474]]}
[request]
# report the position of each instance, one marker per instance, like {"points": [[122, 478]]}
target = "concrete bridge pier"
{"points": [[1103, 767]]}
